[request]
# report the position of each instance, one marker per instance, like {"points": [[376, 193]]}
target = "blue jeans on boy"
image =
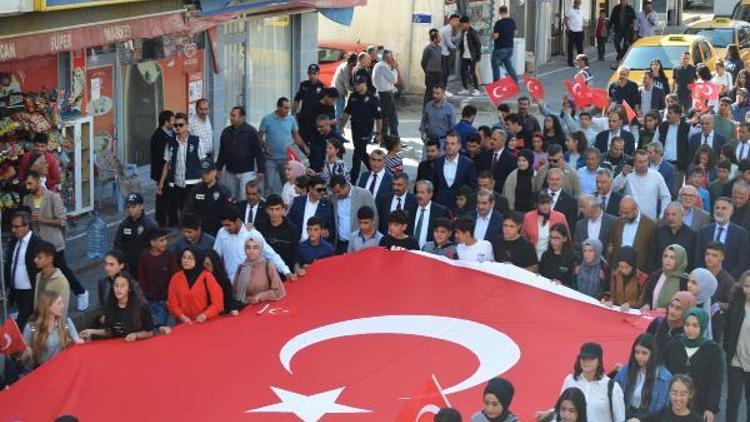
{"points": [[503, 56]]}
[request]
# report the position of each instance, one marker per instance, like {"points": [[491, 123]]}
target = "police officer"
{"points": [[364, 109], [131, 235], [324, 132], [325, 105], [309, 93], [208, 198]]}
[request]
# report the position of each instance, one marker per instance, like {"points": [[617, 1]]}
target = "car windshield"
{"points": [[720, 37], [640, 58]]}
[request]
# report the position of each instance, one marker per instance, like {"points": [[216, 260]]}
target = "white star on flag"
{"points": [[308, 408]]}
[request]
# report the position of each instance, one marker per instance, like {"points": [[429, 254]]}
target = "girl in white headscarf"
{"points": [[257, 279], [702, 284]]}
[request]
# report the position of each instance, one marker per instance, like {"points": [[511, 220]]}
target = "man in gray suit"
{"points": [[347, 200], [594, 224], [695, 217]]}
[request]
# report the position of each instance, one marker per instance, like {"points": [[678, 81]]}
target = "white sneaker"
{"points": [[476, 93], [83, 301], [463, 92], [448, 94]]}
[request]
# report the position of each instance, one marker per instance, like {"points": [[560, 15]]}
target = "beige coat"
{"points": [[51, 207], [56, 282]]}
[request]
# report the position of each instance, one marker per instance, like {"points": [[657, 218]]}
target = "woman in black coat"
{"points": [[737, 346], [702, 359]]}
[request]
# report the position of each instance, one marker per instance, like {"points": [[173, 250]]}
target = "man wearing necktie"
{"points": [[732, 236], [707, 136], [741, 145], [20, 271], [398, 200]]}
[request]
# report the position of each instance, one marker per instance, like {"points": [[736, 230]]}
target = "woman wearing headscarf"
{"points": [[518, 187], [702, 284], [693, 354], [662, 284], [257, 279], [666, 328], [498, 394], [590, 276], [194, 294], [293, 170], [627, 281]]}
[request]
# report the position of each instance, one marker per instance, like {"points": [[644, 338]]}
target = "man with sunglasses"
{"points": [[315, 204], [182, 168]]}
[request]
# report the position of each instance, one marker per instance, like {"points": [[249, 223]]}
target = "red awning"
{"points": [[53, 42]]}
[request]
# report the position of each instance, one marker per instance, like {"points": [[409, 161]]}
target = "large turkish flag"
{"points": [[351, 340]]}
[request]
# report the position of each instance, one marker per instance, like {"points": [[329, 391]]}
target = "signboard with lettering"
{"points": [[49, 5]]}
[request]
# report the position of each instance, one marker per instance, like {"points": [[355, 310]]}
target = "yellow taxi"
{"points": [[668, 49], [722, 32]]}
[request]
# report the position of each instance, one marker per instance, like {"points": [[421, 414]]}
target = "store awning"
{"points": [[55, 32], [215, 7]]}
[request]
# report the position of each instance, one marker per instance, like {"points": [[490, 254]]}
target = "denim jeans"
{"points": [[275, 177], [159, 313], [737, 380], [503, 56]]}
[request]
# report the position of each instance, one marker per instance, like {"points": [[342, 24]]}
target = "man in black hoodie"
{"points": [[240, 152]]}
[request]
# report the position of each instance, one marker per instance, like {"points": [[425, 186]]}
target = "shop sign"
{"points": [[50, 5]]}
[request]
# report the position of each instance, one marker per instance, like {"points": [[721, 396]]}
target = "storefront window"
{"points": [[270, 64]]}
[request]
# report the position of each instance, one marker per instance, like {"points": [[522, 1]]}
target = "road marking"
{"points": [[562, 69]]}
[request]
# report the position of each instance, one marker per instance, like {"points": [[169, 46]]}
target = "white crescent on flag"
{"points": [[502, 90], [7, 342], [428, 409]]}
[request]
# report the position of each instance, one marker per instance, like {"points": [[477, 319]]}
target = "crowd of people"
{"points": [[648, 213]]}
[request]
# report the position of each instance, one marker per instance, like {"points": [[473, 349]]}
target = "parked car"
{"points": [[722, 32], [333, 53], [742, 11], [668, 49]]}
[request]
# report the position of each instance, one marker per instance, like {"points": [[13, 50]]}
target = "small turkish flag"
{"points": [[291, 156], [423, 406], [705, 91], [598, 97], [501, 90], [629, 111], [578, 90], [11, 340], [535, 88]]}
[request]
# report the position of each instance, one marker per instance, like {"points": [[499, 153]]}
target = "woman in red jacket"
{"points": [[194, 293], [537, 223]]}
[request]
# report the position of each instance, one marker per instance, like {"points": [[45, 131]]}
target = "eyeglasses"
{"points": [[179, 124]]}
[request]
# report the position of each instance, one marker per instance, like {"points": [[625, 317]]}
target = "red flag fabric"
{"points": [[629, 111], [11, 340], [423, 406], [578, 90], [291, 156], [598, 97], [705, 91], [364, 334], [535, 88], [501, 90]]}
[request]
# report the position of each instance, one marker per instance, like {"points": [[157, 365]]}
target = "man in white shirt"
{"points": [[469, 248], [200, 126], [384, 78], [646, 185], [230, 244], [646, 20], [426, 213], [574, 27], [595, 224]]}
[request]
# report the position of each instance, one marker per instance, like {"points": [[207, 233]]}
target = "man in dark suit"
{"points": [[485, 180], [608, 199], [488, 222], [426, 168], [377, 181], [422, 224], [315, 204], [674, 135], [694, 216], [595, 222], [20, 271], [452, 171], [622, 233], [399, 199], [734, 238], [561, 201], [498, 159], [159, 141], [707, 136], [674, 231], [605, 137], [253, 207]]}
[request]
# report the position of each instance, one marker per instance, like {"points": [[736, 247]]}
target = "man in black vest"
{"points": [[208, 198], [182, 167], [159, 141], [674, 134]]}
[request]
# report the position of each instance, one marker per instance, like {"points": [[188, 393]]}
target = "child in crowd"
{"points": [[293, 171], [334, 163], [463, 206], [723, 176], [397, 238], [368, 235], [539, 148], [126, 314], [469, 248], [474, 147], [394, 163], [696, 178], [48, 331], [590, 274], [50, 278], [315, 247], [559, 261], [257, 280], [194, 294], [442, 245], [155, 269], [706, 158]]}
